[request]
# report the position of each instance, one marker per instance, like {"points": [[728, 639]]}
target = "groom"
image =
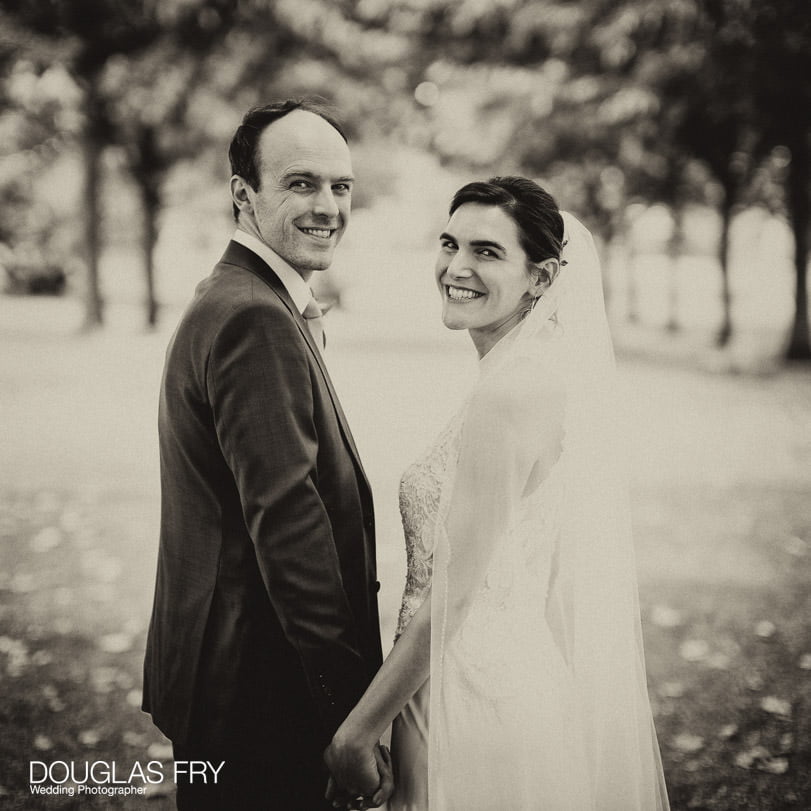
{"points": [[264, 630]]}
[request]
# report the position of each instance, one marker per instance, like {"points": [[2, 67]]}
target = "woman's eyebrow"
{"points": [[476, 243], [487, 243]]}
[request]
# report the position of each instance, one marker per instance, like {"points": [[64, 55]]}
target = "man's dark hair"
{"points": [[244, 145], [532, 208]]}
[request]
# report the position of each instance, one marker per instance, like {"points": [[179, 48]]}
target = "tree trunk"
{"points": [[92, 149], [607, 251], [675, 248], [148, 169], [631, 288], [799, 204], [725, 332], [150, 205]]}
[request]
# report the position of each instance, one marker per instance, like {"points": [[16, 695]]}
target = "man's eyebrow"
{"points": [[313, 176]]}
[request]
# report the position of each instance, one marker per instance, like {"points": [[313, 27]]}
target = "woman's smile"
{"points": [[461, 294]]}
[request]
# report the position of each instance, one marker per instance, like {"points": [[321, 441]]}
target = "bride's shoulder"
{"points": [[521, 390]]}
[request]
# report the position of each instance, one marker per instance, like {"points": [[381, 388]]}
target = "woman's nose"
{"points": [[459, 267]]}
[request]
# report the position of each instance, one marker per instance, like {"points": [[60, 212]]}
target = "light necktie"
{"points": [[315, 323]]}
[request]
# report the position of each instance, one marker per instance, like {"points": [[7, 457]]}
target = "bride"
{"points": [[517, 679]]}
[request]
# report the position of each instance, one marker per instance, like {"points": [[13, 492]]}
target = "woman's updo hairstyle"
{"points": [[534, 211]]}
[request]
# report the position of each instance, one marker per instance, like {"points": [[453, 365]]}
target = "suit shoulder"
{"points": [[231, 288], [232, 307], [231, 293]]}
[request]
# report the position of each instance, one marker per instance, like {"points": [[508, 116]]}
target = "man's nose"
{"points": [[325, 203]]}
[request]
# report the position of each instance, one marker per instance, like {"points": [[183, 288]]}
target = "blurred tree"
{"points": [[83, 35], [684, 60], [211, 70], [149, 96], [649, 87], [143, 67], [735, 82], [778, 39], [619, 124], [225, 52], [31, 110]]}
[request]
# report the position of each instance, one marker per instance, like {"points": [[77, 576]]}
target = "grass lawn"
{"points": [[722, 466]]}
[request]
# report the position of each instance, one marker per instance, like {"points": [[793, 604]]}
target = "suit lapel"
{"points": [[242, 257]]}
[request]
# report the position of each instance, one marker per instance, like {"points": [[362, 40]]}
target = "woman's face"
{"points": [[483, 274]]}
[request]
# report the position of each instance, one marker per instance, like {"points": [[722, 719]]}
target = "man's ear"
{"points": [[241, 194], [543, 274]]}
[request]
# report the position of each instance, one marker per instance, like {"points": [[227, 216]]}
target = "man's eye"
{"points": [[342, 188], [299, 184], [447, 245]]}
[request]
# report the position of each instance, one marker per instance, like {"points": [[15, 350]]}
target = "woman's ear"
{"points": [[543, 274]]}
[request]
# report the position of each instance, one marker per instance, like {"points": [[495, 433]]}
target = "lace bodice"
{"points": [[420, 489]]}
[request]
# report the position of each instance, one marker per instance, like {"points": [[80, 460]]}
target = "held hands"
{"points": [[360, 776]]}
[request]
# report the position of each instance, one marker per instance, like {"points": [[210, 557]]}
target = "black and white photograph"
{"points": [[405, 404]]}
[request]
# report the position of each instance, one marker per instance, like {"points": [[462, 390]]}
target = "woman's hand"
{"points": [[360, 774]]}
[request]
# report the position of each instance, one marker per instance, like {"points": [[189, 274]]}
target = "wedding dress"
{"points": [[516, 523]]}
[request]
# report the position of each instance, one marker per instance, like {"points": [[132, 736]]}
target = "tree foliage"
{"points": [[644, 91], [152, 76], [609, 101]]}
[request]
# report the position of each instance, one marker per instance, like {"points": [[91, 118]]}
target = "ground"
{"points": [[721, 467]]}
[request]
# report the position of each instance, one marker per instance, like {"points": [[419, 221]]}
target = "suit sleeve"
{"points": [[260, 388]]}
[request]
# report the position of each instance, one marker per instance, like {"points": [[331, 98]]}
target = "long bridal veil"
{"points": [[559, 359]]}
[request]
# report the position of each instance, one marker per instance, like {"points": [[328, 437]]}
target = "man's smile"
{"points": [[319, 233]]}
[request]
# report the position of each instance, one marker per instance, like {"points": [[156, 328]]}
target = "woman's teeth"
{"points": [[462, 293], [324, 233]]}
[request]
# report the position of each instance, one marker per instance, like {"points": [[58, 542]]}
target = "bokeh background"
{"points": [[677, 130]]}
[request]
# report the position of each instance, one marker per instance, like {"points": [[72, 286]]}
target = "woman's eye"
{"points": [[487, 253], [447, 245]]}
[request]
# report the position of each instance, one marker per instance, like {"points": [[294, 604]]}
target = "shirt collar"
{"points": [[298, 289]]}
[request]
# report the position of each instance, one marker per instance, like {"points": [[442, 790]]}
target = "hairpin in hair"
{"points": [[563, 262]]}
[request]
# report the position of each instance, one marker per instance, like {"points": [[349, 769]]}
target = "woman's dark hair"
{"points": [[534, 211], [245, 144]]}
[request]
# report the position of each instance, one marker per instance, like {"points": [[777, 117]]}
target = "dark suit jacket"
{"points": [[265, 622]]}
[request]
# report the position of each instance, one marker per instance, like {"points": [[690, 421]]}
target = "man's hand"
{"points": [[359, 777]]}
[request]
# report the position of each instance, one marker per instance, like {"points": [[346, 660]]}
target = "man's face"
{"points": [[302, 206]]}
